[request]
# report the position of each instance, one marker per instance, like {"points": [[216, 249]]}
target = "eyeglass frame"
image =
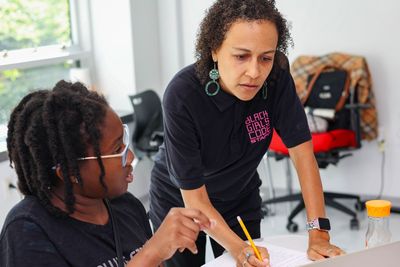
{"points": [[123, 154]]}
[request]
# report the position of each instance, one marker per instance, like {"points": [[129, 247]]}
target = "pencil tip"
{"points": [[238, 218]]}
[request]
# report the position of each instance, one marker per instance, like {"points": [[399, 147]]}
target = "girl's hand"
{"points": [[178, 231]]}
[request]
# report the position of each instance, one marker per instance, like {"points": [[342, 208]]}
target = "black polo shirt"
{"points": [[219, 141]]}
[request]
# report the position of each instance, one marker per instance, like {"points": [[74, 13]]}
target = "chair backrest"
{"points": [[148, 122], [360, 82], [328, 89]]}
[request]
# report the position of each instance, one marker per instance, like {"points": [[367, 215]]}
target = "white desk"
{"points": [[387, 255], [293, 242]]}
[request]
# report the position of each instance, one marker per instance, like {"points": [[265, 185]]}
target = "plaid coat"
{"points": [[360, 78]]}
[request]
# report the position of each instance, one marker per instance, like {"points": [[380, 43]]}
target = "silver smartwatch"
{"points": [[321, 224]]}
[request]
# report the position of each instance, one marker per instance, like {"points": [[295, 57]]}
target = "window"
{"points": [[38, 46], [16, 83], [34, 23]]}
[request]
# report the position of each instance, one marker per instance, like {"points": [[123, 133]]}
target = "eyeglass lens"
{"points": [[125, 139]]}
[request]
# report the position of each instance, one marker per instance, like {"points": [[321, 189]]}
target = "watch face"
{"points": [[324, 224]]}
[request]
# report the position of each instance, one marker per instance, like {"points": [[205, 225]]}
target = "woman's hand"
{"points": [[247, 257], [319, 246], [179, 230]]}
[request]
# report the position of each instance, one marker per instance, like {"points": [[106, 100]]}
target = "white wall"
{"points": [[124, 64], [146, 45], [8, 197], [362, 27], [192, 14], [170, 39], [113, 50]]}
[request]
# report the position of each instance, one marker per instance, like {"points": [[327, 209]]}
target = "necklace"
{"points": [[116, 235]]}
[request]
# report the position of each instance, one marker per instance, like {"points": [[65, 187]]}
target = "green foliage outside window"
{"points": [[34, 23], [30, 24]]}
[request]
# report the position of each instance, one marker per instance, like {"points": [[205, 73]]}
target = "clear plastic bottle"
{"points": [[378, 232]]}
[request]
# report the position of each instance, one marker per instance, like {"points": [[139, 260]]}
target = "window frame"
{"points": [[41, 56], [80, 50]]}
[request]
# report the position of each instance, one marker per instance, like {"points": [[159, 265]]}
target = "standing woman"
{"points": [[219, 115]]}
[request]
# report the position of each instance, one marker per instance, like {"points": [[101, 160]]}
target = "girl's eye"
{"points": [[118, 150]]}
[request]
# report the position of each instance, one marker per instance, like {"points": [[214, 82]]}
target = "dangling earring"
{"points": [[264, 90], [214, 75]]}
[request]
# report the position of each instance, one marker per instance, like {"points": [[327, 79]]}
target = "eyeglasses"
{"points": [[123, 154]]}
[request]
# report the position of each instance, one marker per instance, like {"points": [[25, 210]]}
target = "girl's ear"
{"points": [[61, 177], [59, 172]]}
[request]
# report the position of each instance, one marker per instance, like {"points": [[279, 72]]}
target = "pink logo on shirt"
{"points": [[258, 126]]}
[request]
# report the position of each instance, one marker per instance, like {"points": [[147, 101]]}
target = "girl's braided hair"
{"points": [[51, 128]]}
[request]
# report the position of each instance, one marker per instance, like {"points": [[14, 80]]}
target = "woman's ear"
{"points": [[214, 56]]}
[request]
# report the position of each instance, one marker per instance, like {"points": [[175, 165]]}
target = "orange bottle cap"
{"points": [[378, 208]]}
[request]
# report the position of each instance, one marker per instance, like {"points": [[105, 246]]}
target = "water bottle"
{"points": [[378, 232]]}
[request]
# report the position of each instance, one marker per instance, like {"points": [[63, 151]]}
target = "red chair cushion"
{"points": [[322, 142]]}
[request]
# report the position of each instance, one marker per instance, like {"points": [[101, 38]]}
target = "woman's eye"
{"points": [[240, 57], [266, 59]]}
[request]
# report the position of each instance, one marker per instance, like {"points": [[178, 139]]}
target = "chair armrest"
{"points": [[357, 106], [156, 139], [157, 134], [321, 112]]}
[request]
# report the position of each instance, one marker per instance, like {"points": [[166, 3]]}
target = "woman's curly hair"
{"points": [[219, 18], [54, 128]]}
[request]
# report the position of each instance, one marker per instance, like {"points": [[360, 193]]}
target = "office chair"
{"points": [[148, 131], [342, 136]]}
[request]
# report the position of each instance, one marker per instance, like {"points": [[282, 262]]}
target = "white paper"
{"points": [[279, 257]]}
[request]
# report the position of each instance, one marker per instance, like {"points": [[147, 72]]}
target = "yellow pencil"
{"points": [[249, 238]]}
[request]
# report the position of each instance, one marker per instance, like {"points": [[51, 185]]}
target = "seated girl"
{"points": [[72, 157]]}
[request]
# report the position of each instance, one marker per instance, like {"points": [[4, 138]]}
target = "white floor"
{"points": [[341, 234]]}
